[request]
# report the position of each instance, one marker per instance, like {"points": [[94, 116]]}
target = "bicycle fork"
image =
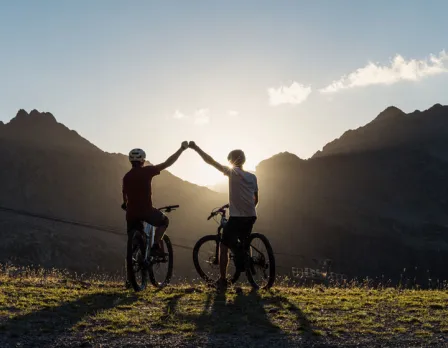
{"points": [[216, 260]]}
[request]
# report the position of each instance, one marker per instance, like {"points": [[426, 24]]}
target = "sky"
{"points": [[263, 76]]}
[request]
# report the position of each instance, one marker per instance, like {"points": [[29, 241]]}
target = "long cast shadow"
{"points": [[244, 317], [302, 320], [43, 327]]}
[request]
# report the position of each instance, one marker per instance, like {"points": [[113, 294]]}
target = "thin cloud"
{"points": [[294, 94], [178, 115], [202, 116], [232, 113], [398, 70], [199, 117]]}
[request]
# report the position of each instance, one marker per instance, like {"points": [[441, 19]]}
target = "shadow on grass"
{"points": [[304, 324], [244, 317], [43, 327]]}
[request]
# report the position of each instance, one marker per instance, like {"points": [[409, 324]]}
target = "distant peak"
{"points": [[286, 155], [48, 116], [43, 128], [390, 112], [34, 116], [436, 106], [289, 154], [282, 157], [21, 113]]}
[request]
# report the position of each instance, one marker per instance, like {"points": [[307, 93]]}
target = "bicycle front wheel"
{"points": [[161, 270], [206, 260], [260, 268], [137, 272]]}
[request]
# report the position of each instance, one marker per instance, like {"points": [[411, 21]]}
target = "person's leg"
{"points": [[245, 226], [132, 225], [229, 240], [158, 235], [223, 261], [160, 221]]}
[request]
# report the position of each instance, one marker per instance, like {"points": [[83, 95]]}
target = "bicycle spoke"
{"points": [[208, 261], [161, 268], [259, 263]]}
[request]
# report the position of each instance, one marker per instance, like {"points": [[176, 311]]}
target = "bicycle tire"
{"points": [[169, 274], [135, 238], [198, 267], [271, 265]]}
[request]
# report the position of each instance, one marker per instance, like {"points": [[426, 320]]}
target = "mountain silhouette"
{"points": [[51, 170], [393, 128], [375, 201]]}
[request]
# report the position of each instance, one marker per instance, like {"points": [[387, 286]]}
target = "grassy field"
{"points": [[40, 311]]}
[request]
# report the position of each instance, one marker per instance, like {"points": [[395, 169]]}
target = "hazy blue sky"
{"points": [[265, 76]]}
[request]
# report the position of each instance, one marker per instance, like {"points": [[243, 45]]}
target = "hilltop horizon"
{"points": [[219, 185]]}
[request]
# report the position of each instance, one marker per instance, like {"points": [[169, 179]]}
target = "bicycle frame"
{"points": [[222, 224], [148, 229], [244, 254]]}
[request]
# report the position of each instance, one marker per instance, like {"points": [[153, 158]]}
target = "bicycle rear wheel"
{"points": [[260, 268], [161, 270], [137, 271], [206, 260]]}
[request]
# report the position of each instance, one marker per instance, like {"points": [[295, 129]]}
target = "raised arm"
{"points": [[207, 158], [173, 158], [125, 197]]}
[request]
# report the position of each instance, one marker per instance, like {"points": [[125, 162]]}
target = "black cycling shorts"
{"points": [[237, 228], [154, 217]]}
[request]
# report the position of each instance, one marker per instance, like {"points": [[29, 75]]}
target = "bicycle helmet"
{"points": [[137, 155], [236, 157]]}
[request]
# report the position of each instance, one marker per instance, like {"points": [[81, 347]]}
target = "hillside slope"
{"points": [[48, 169], [374, 201]]}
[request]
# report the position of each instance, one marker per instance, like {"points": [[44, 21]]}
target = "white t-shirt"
{"points": [[242, 187]]}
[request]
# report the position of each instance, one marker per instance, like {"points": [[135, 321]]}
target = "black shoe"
{"points": [[128, 284], [157, 253]]}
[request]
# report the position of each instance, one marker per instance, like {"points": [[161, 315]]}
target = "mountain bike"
{"points": [[256, 263], [140, 264]]}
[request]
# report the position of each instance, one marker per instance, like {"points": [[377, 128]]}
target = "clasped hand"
{"points": [[185, 145]]}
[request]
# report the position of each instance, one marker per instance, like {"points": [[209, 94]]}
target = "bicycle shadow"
{"points": [[244, 318], [43, 327]]}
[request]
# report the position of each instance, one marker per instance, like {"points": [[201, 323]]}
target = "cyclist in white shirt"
{"points": [[243, 199]]}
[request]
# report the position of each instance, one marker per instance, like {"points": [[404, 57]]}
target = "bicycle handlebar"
{"points": [[221, 210], [169, 208]]}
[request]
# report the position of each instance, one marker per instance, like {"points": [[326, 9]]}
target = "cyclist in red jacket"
{"points": [[137, 194]]}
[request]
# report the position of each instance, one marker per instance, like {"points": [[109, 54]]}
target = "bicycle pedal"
{"points": [[160, 259]]}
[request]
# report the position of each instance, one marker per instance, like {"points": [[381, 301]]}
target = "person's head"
{"points": [[236, 158], [137, 157]]}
